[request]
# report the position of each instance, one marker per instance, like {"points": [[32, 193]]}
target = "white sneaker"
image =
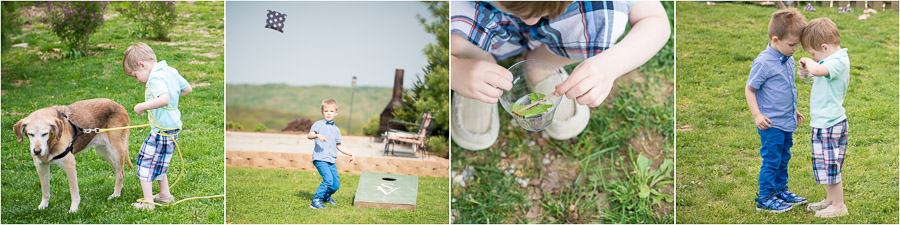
{"points": [[570, 118], [475, 125], [831, 212]]}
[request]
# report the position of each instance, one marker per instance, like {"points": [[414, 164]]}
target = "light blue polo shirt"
{"points": [[826, 100], [165, 79], [326, 151], [772, 75]]}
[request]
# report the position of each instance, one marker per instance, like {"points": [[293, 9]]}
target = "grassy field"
{"points": [[33, 78], [283, 196], [275, 105], [597, 177], [718, 146]]}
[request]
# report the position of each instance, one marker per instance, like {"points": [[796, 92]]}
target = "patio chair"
{"points": [[416, 140]]}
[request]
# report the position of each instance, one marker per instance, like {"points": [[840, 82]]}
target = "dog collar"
{"points": [[78, 132]]}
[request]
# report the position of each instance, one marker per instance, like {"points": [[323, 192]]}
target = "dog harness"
{"points": [[78, 132]]}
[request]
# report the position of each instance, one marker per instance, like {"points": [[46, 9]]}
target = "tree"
{"points": [[432, 92]]}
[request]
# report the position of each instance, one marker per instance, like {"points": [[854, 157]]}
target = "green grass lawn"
{"points": [[718, 145], [282, 196], [30, 83], [592, 178]]}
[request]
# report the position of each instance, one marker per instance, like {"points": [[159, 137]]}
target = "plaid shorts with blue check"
{"points": [[585, 29], [156, 152], [828, 148]]}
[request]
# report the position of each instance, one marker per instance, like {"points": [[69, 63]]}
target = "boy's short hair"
{"points": [[138, 52], [532, 9], [329, 102], [786, 22], [820, 31]]}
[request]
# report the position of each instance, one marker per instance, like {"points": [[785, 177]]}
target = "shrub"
{"points": [[371, 127], [430, 93], [438, 146], [10, 22], [260, 128], [154, 18], [74, 22], [230, 125]]}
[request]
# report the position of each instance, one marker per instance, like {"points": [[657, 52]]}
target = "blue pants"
{"points": [[330, 180], [775, 152]]}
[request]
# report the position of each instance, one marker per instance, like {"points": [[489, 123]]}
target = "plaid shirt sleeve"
{"points": [[585, 29]]}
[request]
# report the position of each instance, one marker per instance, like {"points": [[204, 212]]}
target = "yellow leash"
{"points": [[180, 156], [162, 132]]}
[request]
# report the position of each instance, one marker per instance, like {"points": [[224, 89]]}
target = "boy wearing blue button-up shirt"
{"points": [[328, 142], [830, 65], [772, 97]]}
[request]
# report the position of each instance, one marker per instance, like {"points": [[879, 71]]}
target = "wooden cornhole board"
{"points": [[384, 190]]}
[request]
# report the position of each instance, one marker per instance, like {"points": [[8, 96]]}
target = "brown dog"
{"points": [[50, 133]]}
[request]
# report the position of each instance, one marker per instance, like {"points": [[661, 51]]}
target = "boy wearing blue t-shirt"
{"points": [[328, 142], [163, 87], [830, 65], [772, 97]]}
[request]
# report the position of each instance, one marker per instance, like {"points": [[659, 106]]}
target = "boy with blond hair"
{"points": [[830, 65], [162, 89], [772, 97], [328, 142]]}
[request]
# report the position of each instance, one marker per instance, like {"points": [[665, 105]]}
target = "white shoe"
{"points": [[570, 118], [164, 200], [143, 206], [831, 212], [475, 125], [817, 206]]}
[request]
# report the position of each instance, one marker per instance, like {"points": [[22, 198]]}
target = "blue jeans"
{"points": [[775, 152], [330, 180]]}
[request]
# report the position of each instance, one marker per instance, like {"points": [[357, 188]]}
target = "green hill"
{"points": [[275, 105]]}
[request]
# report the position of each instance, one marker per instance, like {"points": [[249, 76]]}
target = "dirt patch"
{"points": [[208, 54], [200, 85], [19, 83], [661, 93], [173, 43], [15, 113], [189, 48], [685, 127], [650, 146], [107, 45], [558, 174], [107, 16], [33, 12], [628, 79], [197, 62]]}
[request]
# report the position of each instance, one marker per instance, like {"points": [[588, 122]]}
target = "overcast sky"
{"points": [[325, 43]]}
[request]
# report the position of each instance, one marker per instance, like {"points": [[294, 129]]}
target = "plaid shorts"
{"points": [[156, 152], [828, 148], [585, 29]]}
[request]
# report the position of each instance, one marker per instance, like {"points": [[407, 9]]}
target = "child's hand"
{"points": [[588, 85], [479, 79], [762, 122], [802, 71], [321, 137], [139, 110], [800, 118], [806, 61]]}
